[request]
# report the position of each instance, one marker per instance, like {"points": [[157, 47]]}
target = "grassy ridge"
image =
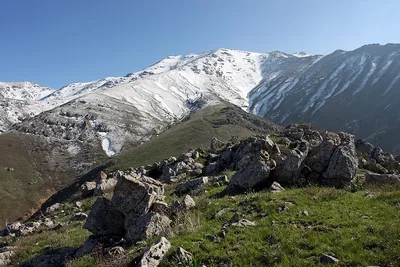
{"points": [[197, 130]]}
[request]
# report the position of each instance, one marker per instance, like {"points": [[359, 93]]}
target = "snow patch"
{"points": [[106, 144]]}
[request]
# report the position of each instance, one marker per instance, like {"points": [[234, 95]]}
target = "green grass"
{"points": [[335, 224], [290, 238]]}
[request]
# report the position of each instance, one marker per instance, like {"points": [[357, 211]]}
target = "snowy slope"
{"points": [[356, 91], [19, 100]]}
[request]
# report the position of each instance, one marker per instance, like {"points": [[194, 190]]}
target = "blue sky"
{"points": [[56, 42]]}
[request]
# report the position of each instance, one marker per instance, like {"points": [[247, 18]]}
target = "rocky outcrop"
{"points": [[300, 156]]}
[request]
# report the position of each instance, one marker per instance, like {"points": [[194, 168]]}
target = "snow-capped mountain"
{"points": [[355, 91], [113, 110]]}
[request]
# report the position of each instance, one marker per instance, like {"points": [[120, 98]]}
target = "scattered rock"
{"points": [[116, 251], [5, 257], [276, 188], [244, 223], [80, 216], [216, 145], [183, 257], [211, 238], [190, 185], [328, 259], [153, 256], [364, 217], [53, 208], [134, 197], [78, 204], [88, 188], [187, 203], [161, 207]]}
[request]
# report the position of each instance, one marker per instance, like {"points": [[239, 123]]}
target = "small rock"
{"points": [[222, 234], [53, 208], [370, 195], [183, 257], [328, 259], [88, 188], [283, 208], [80, 216], [187, 203], [161, 207], [364, 217], [276, 188], [220, 213], [211, 238], [115, 251], [244, 223], [78, 204], [305, 213], [154, 255]]}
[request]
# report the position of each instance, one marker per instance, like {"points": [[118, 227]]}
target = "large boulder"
{"points": [[154, 255], [104, 219], [253, 175], [343, 164], [135, 196]]}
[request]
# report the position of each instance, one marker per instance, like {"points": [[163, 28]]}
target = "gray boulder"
{"points": [[343, 164], [135, 196], [104, 219], [254, 174]]}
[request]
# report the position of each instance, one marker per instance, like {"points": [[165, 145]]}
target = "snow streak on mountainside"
{"points": [[356, 91]]}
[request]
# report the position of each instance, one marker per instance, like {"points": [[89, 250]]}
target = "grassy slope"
{"points": [[22, 189], [286, 238]]}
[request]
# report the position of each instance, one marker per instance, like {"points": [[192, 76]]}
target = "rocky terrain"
{"points": [[211, 207]]}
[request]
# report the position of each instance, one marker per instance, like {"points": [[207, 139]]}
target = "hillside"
{"points": [[227, 214], [53, 165]]}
